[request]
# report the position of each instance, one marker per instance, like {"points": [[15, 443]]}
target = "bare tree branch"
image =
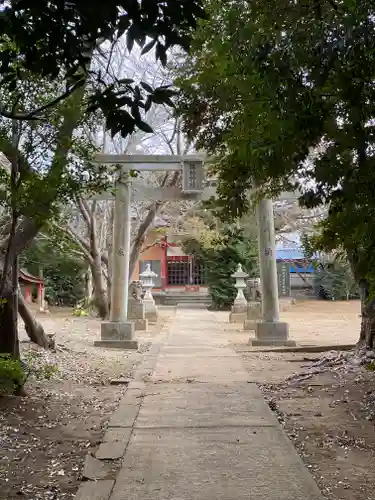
{"points": [[85, 210], [35, 113]]}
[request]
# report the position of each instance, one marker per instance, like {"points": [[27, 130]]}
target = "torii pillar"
{"points": [[118, 332], [270, 331]]}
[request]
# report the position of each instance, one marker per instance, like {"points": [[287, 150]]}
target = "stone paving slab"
{"points": [[197, 342], [207, 405], [213, 464], [137, 384], [117, 434], [111, 450], [124, 416], [211, 369], [149, 365], [143, 373], [155, 347], [195, 318], [94, 469], [194, 351], [95, 490]]}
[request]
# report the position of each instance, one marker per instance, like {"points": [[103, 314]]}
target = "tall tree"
{"points": [[283, 92], [64, 46]]}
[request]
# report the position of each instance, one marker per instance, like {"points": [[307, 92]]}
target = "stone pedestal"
{"points": [[136, 314], [271, 333], [151, 312], [253, 315], [119, 335], [237, 316]]}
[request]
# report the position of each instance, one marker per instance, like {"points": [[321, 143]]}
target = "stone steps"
{"points": [[189, 298]]}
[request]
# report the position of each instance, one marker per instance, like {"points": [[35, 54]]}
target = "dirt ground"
{"points": [[329, 417], [312, 322], [45, 436]]}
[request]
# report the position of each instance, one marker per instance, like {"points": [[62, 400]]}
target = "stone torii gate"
{"points": [[118, 331]]}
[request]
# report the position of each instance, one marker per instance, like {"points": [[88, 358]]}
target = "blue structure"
{"points": [[293, 254]]}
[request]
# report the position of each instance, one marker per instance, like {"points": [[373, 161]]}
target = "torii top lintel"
{"points": [[148, 162]]}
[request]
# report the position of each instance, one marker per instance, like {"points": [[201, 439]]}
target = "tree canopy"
{"points": [[55, 74], [55, 40], [269, 81], [283, 93]]}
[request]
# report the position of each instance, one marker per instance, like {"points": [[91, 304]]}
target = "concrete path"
{"points": [[198, 430]]}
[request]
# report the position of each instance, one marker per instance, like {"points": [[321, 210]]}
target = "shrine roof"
{"points": [[29, 278]]}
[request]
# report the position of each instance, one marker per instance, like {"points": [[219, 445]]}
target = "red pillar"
{"points": [[163, 266], [27, 294]]}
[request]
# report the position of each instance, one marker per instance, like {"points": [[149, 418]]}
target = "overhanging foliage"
{"points": [[55, 40]]}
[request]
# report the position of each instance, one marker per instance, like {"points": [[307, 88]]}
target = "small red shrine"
{"points": [[28, 284]]}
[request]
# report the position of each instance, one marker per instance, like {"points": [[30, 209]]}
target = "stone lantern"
{"points": [[238, 313], [254, 306], [148, 284]]}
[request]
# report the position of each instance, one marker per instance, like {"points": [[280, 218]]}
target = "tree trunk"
{"points": [[30, 225], [8, 329], [100, 296], [33, 328], [141, 235], [89, 285], [367, 333]]}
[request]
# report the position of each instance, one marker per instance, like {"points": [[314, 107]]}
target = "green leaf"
{"points": [[148, 47], [161, 53], [145, 127], [147, 87], [125, 81], [123, 25]]}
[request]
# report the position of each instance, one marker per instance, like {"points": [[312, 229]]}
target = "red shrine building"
{"points": [[30, 286], [177, 273]]}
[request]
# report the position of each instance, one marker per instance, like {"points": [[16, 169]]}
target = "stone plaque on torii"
{"points": [[119, 330]]}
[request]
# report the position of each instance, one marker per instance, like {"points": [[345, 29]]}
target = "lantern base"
{"points": [[237, 317], [151, 312], [239, 307], [238, 312]]}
